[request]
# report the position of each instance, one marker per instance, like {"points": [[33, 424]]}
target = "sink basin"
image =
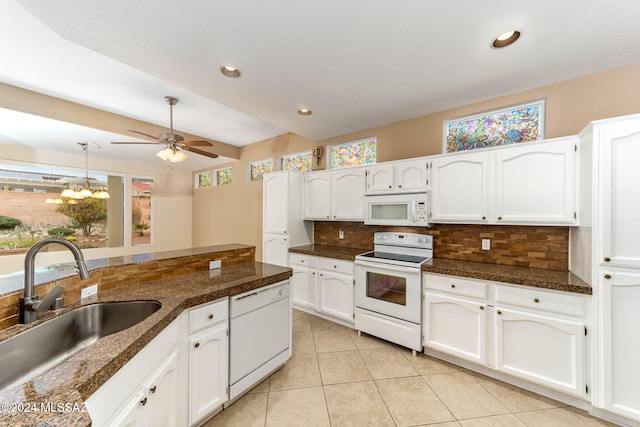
{"points": [[45, 346]]}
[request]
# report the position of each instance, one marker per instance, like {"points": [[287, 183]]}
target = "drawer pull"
{"points": [[607, 276], [607, 259], [481, 307], [144, 401], [153, 389], [210, 316], [536, 300], [499, 312], [453, 286], [196, 345]]}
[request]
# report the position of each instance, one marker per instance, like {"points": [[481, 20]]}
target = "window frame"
{"points": [[330, 149], [257, 162], [299, 154]]}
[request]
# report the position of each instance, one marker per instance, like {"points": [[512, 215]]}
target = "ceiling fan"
{"points": [[173, 142]]}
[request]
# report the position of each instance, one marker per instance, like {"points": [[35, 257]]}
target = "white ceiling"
{"points": [[357, 64]]}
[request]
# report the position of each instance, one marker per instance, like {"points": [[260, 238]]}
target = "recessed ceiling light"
{"points": [[505, 39], [304, 112], [230, 71]]}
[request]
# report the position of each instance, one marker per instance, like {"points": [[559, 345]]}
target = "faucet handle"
{"points": [[49, 299]]}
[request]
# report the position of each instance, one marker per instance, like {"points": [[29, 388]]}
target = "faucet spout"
{"points": [[29, 306]]}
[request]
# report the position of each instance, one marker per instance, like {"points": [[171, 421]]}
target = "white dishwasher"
{"points": [[259, 335]]}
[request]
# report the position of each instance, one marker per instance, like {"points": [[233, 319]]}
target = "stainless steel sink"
{"points": [[45, 346]]}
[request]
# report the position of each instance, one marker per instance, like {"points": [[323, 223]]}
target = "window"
{"points": [[300, 162], [512, 125], [223, 176], [258, 169], [141, 211], [203, 180], [33, 209], [361, 152]]}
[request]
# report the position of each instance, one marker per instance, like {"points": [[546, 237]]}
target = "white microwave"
{"points": [[397, 209]]}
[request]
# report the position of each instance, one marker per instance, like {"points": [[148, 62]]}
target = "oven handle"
{"points": [[388, 267]]}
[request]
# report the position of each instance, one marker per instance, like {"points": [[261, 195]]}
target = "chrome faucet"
{"points": [[29, 304]]}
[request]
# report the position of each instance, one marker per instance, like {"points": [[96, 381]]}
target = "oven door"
{"points": [[389, 289]]}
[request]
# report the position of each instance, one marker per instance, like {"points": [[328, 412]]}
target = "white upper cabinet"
{"points": [[317, 196], [620, 195], [460, 188], [275, 196], [402, 177], [529, 184], [535, 183], [347, 194]]}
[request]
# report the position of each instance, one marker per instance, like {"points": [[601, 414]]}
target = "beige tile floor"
{"points": [[337, 378]]}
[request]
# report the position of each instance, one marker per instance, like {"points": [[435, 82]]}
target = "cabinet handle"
{"points": [[453, 286], [536, 300], [607, 259], [499, 312], [153, 389], [144, 401], [481, 307], [210, 316], [196, 345], [607, 276]]}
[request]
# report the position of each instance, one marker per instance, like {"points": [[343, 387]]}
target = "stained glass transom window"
{"points": [[260, 168], [361, 152], [300, 162], [223, 176], [501, 127]]}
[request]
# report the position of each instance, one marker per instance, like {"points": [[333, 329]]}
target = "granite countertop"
{"points": [[76, 379], [535, 277]]}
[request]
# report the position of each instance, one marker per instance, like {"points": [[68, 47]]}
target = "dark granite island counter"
{"points": [[73, 381]]}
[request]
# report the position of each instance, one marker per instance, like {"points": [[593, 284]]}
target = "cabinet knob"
{"points": [[144, 401], [389, 186], [607, 276], [196, 345], [284, 232], [499, 218], [399, 186], [153, 389], [536, 300], [481, 307], [484, 217], [499, 312], [301, 260], [453, 286], [335, 266], [210, 316], [607, 259], [327, 216]]}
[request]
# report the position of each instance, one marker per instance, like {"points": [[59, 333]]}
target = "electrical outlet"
{"points": [[88, 291], [341, 234], [215, 264], [486, 244]]}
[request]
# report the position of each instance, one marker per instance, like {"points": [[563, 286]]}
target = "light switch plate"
{"points": [[88, 291], [341, 234], [215, 264], [486, 244]]}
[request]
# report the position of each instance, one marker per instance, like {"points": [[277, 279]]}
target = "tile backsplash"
{"points": [[523, 246]]}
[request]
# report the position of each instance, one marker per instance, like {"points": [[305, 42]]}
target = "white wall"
{"points": [[171, 203]]}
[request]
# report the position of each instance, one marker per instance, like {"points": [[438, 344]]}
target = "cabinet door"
{"points": [[317, 196], [619, 370], [455, 326], [275, 249], [133, 413], [411, 176], [535, 183], [542, 349], [275, 203], [162, 392], [303, 287], [208, 371], [335, 295], [380, 179], [348, 195], [620, 175], [460, 188]]}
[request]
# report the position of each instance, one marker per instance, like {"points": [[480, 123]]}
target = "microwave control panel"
{"points": [[421, 213]]}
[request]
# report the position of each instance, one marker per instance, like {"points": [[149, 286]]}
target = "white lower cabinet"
{"points": [[322, 286], [533, 334], [208, 358]]}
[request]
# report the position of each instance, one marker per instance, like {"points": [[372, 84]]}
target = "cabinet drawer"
{"points": [[208, 315], [336, 265], [563, 303], [301, 259], [455, 285]]}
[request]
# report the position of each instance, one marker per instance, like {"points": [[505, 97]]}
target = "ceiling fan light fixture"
{"points": [[505, 39], [230, 71], [171, 155]]}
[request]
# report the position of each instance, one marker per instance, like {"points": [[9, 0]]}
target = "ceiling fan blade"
{"points": [[143, 143], [197, 143], [144, 134], [201, 152]]}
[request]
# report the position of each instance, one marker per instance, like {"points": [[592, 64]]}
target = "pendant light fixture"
{"points": [[70, 195]]}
